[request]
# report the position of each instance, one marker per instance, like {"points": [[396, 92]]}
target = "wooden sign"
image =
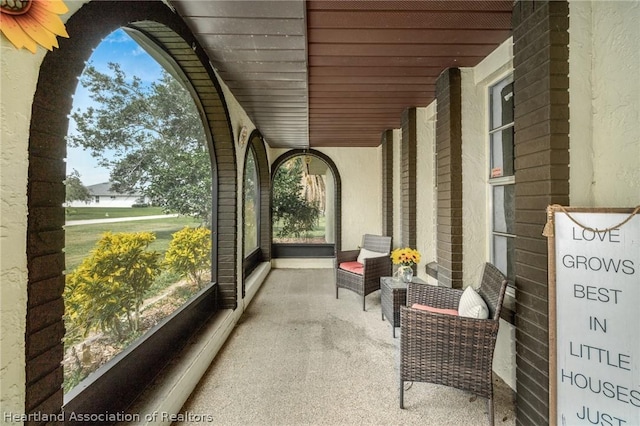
{"points": [[594, 314]]}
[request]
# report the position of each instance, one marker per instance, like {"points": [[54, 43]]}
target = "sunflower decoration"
{"points": [[27, 23], [405, 256]]}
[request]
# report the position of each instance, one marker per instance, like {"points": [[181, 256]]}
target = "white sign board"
{"points": [[597, 318]]}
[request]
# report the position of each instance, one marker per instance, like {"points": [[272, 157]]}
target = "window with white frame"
{"points": [[501, 176]]}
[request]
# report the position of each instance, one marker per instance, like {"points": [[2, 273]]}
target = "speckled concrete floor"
{"points": [[301, 357]]}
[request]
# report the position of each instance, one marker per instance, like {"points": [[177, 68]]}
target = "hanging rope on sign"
{"points": [[548, 227]]}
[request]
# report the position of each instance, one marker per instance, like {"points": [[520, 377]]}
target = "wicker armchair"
{"points": [[373, 268], [447, 349]]}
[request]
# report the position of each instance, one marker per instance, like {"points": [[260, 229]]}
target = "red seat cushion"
{"points": [[436, 310], [355, 267]]}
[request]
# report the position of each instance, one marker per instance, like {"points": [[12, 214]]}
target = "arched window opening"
{"points": [[252, 253], [138, 205], [114, 387], [251, 204], [256, 212], [305, 205]]}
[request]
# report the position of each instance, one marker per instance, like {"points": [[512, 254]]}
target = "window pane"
{"points": [[251, 204], [504, 255], [123, 278], [502, 153], [299, 201], [504, 208], [501, 103]]}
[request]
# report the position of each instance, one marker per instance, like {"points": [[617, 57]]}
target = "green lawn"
{"points": [[81, 239], [318, 230], [84, 213]]}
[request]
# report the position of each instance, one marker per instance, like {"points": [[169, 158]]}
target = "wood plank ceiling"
{"points": [[340, 72]]}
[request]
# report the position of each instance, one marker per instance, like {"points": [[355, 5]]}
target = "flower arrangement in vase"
{"points": [[405, 258]]}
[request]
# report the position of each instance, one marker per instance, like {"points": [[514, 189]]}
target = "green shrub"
{"points": [[111, 282], [189, 253]]}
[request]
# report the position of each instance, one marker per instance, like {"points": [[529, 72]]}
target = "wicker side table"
{"points": [[393, 294]]}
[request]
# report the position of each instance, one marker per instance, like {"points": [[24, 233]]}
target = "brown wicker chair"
{"points": [[447, 349], [374, 267]]}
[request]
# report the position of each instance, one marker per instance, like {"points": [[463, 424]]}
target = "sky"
{"points": [[117, 47]]}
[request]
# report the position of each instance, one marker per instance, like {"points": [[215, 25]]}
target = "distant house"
{"points": [[103, 196]]}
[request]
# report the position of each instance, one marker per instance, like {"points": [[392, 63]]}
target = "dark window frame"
{"points": [[253, 258], [147, 355], [141, 361], [262, 253], [318, 250]]}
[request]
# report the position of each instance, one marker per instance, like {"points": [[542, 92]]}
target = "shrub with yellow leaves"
{"points": [[189, 253], [110, 283]]}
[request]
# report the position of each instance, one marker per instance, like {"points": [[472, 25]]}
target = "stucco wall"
{"points": [[361, 179], [474, 176], [360, 172], [426, 193], [604, 90], [475, 190], [397, 189], [239, 118], [17, 79]]}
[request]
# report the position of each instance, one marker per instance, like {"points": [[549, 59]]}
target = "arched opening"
{"points": [[306, 205], [157, 25], [256, 212], [152, 196], [251, 203]]}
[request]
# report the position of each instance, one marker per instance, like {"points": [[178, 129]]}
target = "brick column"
{"points": [[408, 152], [542, 177], [45, 259], [449, 178], [44, 348], [265, 197]]}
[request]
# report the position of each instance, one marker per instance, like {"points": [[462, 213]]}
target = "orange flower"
{"points": [[27, 22]]}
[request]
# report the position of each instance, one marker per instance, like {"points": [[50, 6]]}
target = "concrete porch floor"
{"points": [[298, 356]]}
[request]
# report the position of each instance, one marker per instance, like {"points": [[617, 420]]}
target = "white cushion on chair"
{"points": [[472, 305], [365, 254]]}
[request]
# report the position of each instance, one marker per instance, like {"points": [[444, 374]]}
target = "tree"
{"points": [[151, 138], [75, 190], [298, 215]]}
